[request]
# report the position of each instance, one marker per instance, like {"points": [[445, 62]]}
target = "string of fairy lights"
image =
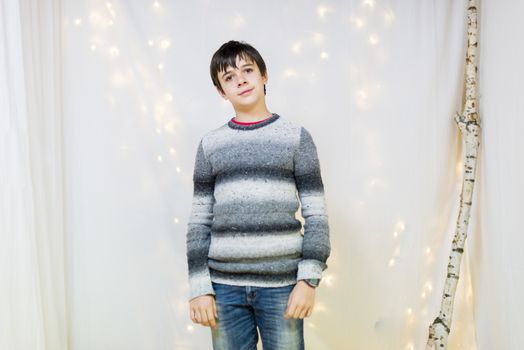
{"points": [[105, 18]]}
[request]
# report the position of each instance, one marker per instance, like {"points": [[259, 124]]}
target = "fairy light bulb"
{"points": [[322, 10]]}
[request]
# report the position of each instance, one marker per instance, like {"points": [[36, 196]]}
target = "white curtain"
{"points": [[33, 269], [376, 82]]}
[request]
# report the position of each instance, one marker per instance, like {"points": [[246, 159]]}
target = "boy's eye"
{"points": [[228, 78]]}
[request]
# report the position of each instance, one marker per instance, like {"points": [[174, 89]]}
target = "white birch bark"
{"points": [[468, 123]]}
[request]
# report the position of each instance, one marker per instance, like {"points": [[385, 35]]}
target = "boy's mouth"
{"points": [[245, 92]]}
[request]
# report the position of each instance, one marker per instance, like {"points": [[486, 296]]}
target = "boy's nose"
{"points": [[241, 79]]}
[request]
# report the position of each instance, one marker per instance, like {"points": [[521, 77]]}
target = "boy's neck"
{"points": [[252, 115]]}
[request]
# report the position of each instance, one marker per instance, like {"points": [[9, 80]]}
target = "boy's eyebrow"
{"points": [[229, 71]]}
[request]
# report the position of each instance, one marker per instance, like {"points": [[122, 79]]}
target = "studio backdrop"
{"points": [[94, 226]]}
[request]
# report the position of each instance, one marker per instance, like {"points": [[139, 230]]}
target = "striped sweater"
{"points": [[247, 183]]}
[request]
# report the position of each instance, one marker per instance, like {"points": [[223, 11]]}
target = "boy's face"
{"points": [[244, 85]]}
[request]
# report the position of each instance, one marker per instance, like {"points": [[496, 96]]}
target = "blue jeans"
{"points": [[242, 308]]}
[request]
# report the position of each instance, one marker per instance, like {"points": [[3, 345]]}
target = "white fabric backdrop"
{"points": [[376, 82], [379, 100], [33, 290]]}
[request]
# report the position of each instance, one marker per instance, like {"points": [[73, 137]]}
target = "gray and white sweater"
{"points": [[242, 228]]}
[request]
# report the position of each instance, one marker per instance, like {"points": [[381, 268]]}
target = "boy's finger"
{"points": [[310, 311], [298, 311], [215, 309], [198, 318], [205, 320], [303, 313], [289, 312], [211, 319]]}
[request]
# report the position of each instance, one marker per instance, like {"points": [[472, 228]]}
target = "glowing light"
{"points": [[172, 151], [290, 73], [395, 234], [388, 16], [190, 328], [369, 3], [178, 169], [373, 39], [322, 10], [93, 47], [428, 250], [159, 158], [409, 311], [377, 181], [165, 44], [159, 110], [318, 37], [169, 127], [409, 346], [362, 94], [151, 43], [359, 22], [328, 280], [160, 66], [423, 295], [176, 220], [108, 5], [114, 51], [323, 55], [238, 20], [158, 131], [78, 21], [401, 225], [168, 97], [319, 306], [429, 286], [156, 4], [296, 47], [391, 262]]}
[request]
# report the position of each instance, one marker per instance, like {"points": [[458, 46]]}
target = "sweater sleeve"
{"points": [[198, 235], [316, 246]]}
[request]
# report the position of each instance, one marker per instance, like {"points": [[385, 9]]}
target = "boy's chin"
{"points": [[244, 104]]}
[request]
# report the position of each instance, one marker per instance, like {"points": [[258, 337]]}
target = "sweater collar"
{"points": [[264, 122]]}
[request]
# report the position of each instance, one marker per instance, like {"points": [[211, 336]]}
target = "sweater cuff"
{"points": [[200, 284], [310, 268]]}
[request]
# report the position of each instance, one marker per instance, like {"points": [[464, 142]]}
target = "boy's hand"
{"points": [[301, 301], [203, 310]]}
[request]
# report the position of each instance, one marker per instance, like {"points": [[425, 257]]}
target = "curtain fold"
{"points": [[32, 236]]}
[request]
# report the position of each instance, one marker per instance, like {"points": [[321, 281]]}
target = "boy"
{"points": [[249, 264]]}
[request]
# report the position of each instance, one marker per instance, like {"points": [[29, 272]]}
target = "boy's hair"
{"points": [[226, 56]]}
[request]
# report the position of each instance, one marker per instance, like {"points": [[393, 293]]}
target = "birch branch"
{"points": [[469, 125]]}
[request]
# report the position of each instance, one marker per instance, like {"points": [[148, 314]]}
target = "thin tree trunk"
{"points": [[469, 126]]}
